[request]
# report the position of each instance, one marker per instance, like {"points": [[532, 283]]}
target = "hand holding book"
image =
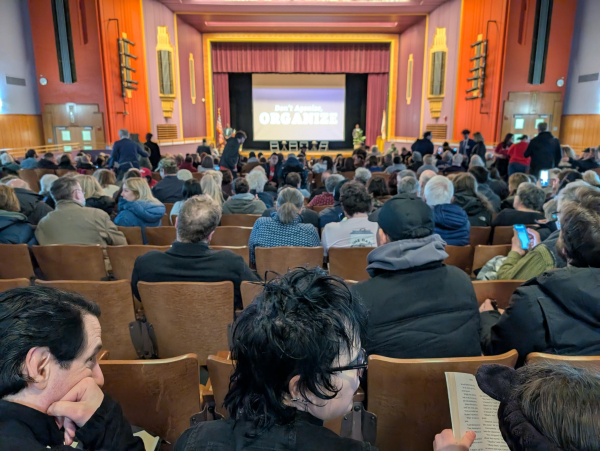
{"points": [[445, 441]]}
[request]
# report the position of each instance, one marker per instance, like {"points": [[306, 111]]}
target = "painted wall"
{"points": [[16, 59], [189, 41], [408, 117], [446, 16], [584, 98], [157, 15]]}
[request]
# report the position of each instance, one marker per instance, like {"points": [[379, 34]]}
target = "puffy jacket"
{"points": [[479, 215], [104, 203], [140, 213], [407, 321], [14, 228], [555, 313], [494, 199], [244, 204], [32, 205], [452, 224]]}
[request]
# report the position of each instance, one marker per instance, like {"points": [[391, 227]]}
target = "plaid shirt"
{"points": [[322, 200]]}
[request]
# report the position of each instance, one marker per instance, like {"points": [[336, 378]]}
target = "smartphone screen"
{"points": [[523, 236], [217, 168], [544, 177]]}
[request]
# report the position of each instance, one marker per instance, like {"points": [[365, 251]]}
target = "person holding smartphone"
{"points": [[528, 207]]}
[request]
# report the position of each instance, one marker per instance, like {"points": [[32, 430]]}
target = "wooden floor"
{"points": [[310, 154]]}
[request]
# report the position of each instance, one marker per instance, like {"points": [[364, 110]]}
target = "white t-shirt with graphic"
{"points": [[354, 232]]}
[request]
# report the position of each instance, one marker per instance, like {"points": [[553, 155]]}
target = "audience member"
{"points": [[211, 185], [107, 180], [94, 196], [189, 259], [226, 182], [83, 163], [544, 315], [528, 207], [190, 189], [456, 166], [501, 154], [188, 164], [423, 146], [358, 158], [416, 162], [397, 166], [50, 377], [408, 185], [48, 161], [514, 181], [207, 164], [147, 175], [362, 175], [478, 208], [14, 227], [423, 179], [406, 156], [65, 162], [203, 148], [9, 164], [482, 176], [356, 230], [588, 160], [476, 161], [517, 161], [243, 202], [284, 227], [45, 184], [294, 180], [444, 321], [327, 197], [373, 164], [32, 204], [479, 148], [168, 190], [377, 188], [273, 169], [450, 221], [334, 213], [592, 178], [428, 165], [497, 184], [183, 175], [138, 207], [298, 361], [72, 222], [544, 151], [153, 150], [30, 161], [445, 162], [292, 165], [257, 180]]}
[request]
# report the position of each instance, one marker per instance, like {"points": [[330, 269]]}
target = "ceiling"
{"points": [[300, 16]]}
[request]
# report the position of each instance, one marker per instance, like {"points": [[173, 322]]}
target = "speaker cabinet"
{"points": [[64, 41], [539, 46]]}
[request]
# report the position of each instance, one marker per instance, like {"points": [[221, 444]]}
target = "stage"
{"points": [[310, 154]]}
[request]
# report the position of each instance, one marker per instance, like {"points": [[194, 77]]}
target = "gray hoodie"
{"points": [[406, 254], [244, 204]]}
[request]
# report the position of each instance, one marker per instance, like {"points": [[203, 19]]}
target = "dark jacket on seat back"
{"points": [[104, 203], [555, 313], [545, 153], [192, 262], [25, 429], [418, 307], [479, 215], [15, 229], [169, 190], [306, 433], [452, 224], [32, 205]]}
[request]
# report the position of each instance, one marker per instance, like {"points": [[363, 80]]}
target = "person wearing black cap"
{"points": [[419, 307]]}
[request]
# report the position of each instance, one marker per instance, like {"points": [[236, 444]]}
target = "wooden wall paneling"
{"points": [[21, 130], [580, 130]]}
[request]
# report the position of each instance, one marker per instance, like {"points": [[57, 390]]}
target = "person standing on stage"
{"points": [[125, 153], [154, 150], [231, 152], [228, 132]]}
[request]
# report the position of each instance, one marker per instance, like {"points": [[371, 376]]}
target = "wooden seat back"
{"points": [[591, 362], [383, 175], [122, 258], [249, 291], [197, 175], [320, 208], [242, 251], [280, 259], [231, 236], [9, 284], [116, 303], [460, 256], [159, 396], [15, 262], [348, 175], [166, 219], [70, 261], [239, 220], [161, 236], [43, 171], [31, 177], [349, 263], [133, 235], [484, 254], [220, 371], [480, 236], [500, 290], [503, 235], [188, 316], [410, 397]]}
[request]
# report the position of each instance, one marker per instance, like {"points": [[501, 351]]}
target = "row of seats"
{"points": [[33, 176]]}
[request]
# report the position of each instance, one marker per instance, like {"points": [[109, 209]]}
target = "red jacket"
{"points": [[516, 152]]}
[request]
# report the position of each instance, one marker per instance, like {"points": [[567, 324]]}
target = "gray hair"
{"points": [[457, 159], [46, 182], [198, 218], [592, 178], [63, 188], [6, 158], [429, 160], [362, 175], [531, 196], [406, 173], [569, 192], [332, 181], [184, 174], [476, 161], [257, 180], [438, 191], [561, 402], [123, 133], [447, 156], [289, 204], [416, 156], [168, 165], [408, 185]]}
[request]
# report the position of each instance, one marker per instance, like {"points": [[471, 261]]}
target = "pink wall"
{"points": [[194, 115], [157, 15], [445, 16], [408, 117]]}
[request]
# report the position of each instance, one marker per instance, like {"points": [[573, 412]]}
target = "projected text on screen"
{"points": [[298, 107]]}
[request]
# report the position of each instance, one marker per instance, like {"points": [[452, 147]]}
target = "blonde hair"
{"points": [[568, 152], [89, 186], [477, 137], [211, 185], [140, 188], [592, 178], [8, 199]]}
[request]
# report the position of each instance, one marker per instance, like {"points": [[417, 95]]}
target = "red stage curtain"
{"points": [[221, 92], [322, 58], [377, 94]]}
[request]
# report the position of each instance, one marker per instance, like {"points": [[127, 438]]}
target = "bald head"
{"points": [[18, 183], [425, 177]]}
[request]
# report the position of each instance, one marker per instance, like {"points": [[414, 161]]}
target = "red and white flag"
{"points": [[220, 137]]}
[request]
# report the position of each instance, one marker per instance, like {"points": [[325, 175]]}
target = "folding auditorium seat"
{"points": [[349, 263], [280, 259]]}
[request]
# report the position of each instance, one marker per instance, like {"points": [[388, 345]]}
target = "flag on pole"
{"points": [[220, 138], [383, 126]]}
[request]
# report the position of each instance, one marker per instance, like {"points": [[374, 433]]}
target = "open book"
{"points": [[473, 410]]}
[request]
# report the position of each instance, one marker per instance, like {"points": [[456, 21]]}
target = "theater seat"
{"points": [[9, 284], [280, 259], [249, 291], [242, 251], [484, 254], [231, 236], [15, 262], [460, 256], [161, 236], [166, 219], [31, 177], [219, 370], [349, 263], [480, 236], [500, 290], [133, 235], [410, 397], [320, 208], [239, 220], [122, 258], [591, 362], [70, 262]]}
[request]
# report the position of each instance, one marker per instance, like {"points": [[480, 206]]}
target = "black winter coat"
{"points": [[231, 155], [32, 205], [15, 229], [423, 146], [104, 203], [479, 215], [545, 153], [555, 313]]}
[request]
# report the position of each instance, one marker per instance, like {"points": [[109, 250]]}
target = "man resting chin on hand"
{"points": [[50, 379]]}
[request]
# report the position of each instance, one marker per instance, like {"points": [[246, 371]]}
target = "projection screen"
{"points": [[298, 107]]}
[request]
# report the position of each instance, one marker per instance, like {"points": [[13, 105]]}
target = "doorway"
{"points": [[523, 111]]}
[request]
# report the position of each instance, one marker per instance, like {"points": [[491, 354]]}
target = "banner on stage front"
{"points": [[298, 107]]}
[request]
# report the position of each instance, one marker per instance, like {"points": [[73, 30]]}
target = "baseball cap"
{"points": [[404, 217], [146, 172]]}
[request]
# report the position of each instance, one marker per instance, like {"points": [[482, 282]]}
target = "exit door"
{"points": [[83, 137], [523, 111]]}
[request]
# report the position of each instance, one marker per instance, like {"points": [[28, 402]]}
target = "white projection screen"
{"points": [[298, 107]]}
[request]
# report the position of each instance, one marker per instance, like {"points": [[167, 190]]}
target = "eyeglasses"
{"points": [[360, 363]]}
